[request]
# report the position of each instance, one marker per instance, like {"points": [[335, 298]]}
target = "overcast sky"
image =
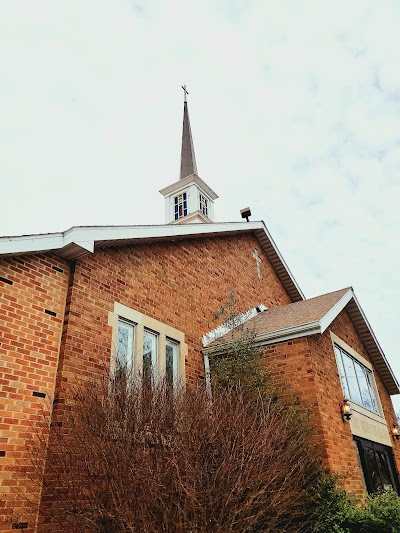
{"points": [[294, 107]]}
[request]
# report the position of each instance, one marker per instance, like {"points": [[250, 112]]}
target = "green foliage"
{"points": [[240, 366], [338, 512]]}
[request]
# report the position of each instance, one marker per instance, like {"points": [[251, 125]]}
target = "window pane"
{"points": [[372, 467], [149, 354], [354, 391], [171, 366], [342, 373], [384, 469], [125, 347], [364, 388]]}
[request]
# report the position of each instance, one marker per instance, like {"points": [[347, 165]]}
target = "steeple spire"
{"points": [[188, 200], [188, 159]]}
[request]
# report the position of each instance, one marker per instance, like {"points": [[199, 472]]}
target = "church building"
{"points": [[69, 301]]}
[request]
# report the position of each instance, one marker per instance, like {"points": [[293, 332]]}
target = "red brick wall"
{"points": [[29, 348], [179, 284], [342, 456], [306, 368], [293, 372]]}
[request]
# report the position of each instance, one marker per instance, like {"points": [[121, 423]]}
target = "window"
{"points": [[180, 204], [357, 381], [146, 347], [203, 205], [150, 352], [125, 346], [171, 363], [377, 465]]}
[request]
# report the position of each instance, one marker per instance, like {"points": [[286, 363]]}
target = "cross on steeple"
{"points": [[258, 262], [185, 92]]}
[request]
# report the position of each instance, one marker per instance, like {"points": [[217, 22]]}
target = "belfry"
{"points": [[189, 200]]}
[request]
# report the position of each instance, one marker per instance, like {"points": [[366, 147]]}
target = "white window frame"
{"points": [[348, 350], [141, 324]]}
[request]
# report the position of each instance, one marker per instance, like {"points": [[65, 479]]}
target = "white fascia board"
{"points": [[281, 259], [333, 312], [182, 184], [381, 352], [31, 243], [273, 337], [87, 236], [219, 331], [304, 330]]}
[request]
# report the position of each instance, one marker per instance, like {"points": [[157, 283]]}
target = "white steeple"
{"points": [[190, 199]]}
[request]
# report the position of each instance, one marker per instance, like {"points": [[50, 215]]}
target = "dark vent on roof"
{"points": [[39, 394], [51, 313], [19, 525], [58, 269], [5, 280]]}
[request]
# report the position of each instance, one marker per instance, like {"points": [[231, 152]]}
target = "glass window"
{"points": [[171, 363], [124, 357], [180, 205], [377, 465], [149, 354], [357, 381], [203, 205]]}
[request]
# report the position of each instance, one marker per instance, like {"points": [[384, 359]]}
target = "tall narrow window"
{"points": [[149, 354], [124, 358], [180, 203], [204, 205], [171, 363]]}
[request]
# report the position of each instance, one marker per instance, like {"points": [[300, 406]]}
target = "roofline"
{"points": [[81, 240], [357, 315], [184, 182]]}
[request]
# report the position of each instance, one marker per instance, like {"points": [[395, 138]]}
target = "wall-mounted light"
{"points": [[346, 410], [396, 432]]}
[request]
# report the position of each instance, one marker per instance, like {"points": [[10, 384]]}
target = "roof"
{"points": [[81, 240], [311, 317]]}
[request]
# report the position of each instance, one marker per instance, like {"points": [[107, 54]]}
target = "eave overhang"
{"points": [[78, 241], [185, 182], [357, 315]]}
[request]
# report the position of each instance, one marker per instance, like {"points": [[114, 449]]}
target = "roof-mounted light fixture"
{"points": [[246, 213]]}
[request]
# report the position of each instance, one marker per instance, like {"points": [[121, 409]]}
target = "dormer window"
{"points": [[203, 205], [180, 203]]}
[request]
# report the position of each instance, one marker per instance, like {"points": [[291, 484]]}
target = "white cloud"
{"points": [[294, 108]]}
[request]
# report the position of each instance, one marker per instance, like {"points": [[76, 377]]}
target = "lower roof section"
{"points": [[313, 317]]}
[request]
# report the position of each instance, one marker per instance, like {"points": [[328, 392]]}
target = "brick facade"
{"points": [[179, 283], [306, 368], [33, 291]]}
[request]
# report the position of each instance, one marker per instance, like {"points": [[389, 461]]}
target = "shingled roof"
{"points": [[311, 317]]}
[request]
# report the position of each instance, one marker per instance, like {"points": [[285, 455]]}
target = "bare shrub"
{"points": [[140, 458]]}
